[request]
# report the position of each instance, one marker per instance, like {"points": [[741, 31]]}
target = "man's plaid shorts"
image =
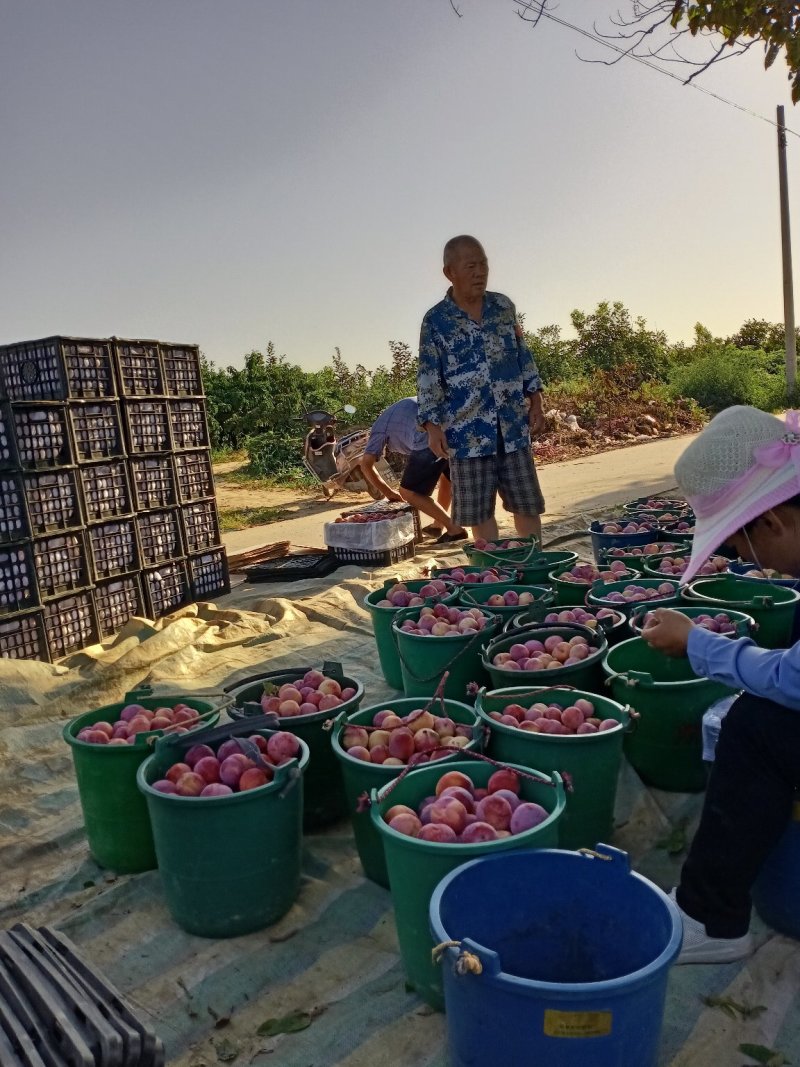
{"points": [[477, 480]]}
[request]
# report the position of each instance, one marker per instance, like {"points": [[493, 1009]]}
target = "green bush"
{"points": [[725, 375]]}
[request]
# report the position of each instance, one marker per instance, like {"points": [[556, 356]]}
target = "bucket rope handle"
{"points": [[595, 855], [516, 561], [626, 679], [466, 962], [364, 801]]}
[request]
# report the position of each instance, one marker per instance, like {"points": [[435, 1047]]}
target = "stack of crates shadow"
{"points": [[107, 505]]}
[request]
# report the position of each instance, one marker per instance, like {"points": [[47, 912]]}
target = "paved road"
{"points": [[572, 486]]}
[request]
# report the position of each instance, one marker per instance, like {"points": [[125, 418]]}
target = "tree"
{"points": [[758, 333], [658, 28], [607, 338]]}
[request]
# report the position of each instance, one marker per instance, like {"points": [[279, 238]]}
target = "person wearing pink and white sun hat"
{"points": [[741, 476]]}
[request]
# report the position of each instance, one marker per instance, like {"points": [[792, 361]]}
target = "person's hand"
{"points": [[437, 442], [390, 494], [536, 416], [668, 631]]}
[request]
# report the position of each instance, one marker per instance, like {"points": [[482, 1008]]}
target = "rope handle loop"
{"points": [[466, 962]]}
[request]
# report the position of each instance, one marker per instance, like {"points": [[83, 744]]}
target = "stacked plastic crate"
{"points": [[166, 425], [60, 431], [107, 503]]}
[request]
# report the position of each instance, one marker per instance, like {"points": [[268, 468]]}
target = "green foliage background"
{"points": [[613, 365]]}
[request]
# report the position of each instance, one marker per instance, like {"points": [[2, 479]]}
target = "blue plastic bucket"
{"points": [[776, 893], [571, 972]]}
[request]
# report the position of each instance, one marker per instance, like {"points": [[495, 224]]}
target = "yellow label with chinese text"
{"points": [[577, 1023]]}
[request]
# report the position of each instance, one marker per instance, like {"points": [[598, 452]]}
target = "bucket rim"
{"points": [[566, 990], [312, 716], [577, 694], [785, 594], [456, 848], [469, 635], [74, 726], [592, 608], [393, 770], [447, 598], [652, 682], [278, 781]]}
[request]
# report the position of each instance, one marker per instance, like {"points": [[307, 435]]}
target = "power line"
{"points": [[540, 12]]}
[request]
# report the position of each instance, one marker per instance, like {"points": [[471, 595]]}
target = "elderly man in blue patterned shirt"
{"points": [[480, 396]]}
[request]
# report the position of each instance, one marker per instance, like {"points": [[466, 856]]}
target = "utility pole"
{"points": [[786, 245]]}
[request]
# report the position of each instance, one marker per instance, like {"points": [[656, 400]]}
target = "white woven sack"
{"points": [[370, 536]]}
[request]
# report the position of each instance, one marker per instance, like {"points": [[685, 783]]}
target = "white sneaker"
{"points": [[698, 947]]}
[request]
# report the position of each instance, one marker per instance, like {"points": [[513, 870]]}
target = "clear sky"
{"points": [[230, 172]]}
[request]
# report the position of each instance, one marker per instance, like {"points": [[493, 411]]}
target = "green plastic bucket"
{"points": [[773, 608], [568, 593], [599, 592], [667, 545], [361, 777], [666, 748], [505, 576], [323, 789], [589, 762], [472, 596], [745, 624], [586, 675], [424, 660], [382, 625], [114, 811], [229, 865], [502, 557], [615, 627], [416, 867]]}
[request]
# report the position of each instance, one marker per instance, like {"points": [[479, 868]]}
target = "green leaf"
{"points": [[288, 1024], [734, 1008], [761, 1054]]}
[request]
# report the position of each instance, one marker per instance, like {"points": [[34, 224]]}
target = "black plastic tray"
{"points": [[293, 568]]}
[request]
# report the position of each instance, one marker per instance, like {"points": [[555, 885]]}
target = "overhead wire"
{"points": [[539, 11]]}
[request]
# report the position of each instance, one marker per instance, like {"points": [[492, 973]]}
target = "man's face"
{"points": [[468, 273]]}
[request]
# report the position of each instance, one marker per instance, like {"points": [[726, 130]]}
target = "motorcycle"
{"points": [[335, 461]]}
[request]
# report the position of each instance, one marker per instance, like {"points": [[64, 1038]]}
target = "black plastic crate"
{"points": [[114, 548], [14, 525], [146, 426], [117, 600], [58, 368], [53, 501], [70, 624], [96, 430], [23, 637], [182, 371], [374, 558], [189, 424], [106, 490], [138, 368], [154, 482], [208, 574], [62, 563], [8, 445], [195, 475], [19, 590], [294, 568], [166, 588], [200, 526], [160, 536], [41, 436]]}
